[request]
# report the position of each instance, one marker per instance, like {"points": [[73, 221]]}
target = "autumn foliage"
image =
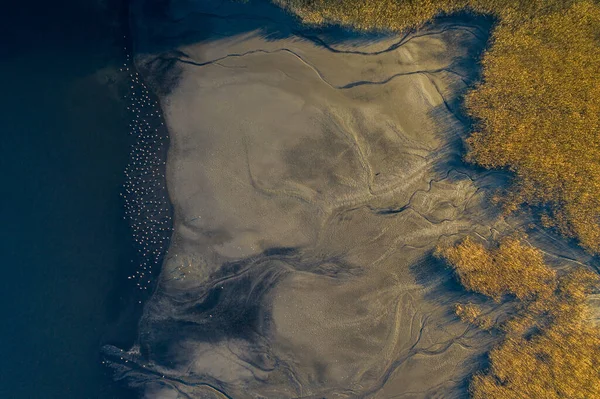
{"points": [[538, 108], [511, 269], [551, 349]]}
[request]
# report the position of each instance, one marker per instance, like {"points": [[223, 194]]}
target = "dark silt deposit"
{"points": [[311, 172]]}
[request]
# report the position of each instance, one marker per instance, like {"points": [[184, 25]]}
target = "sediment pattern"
{"points": [[312, 172]]}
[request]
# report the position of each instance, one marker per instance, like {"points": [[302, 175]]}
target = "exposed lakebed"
{"points": [[312, 172]]}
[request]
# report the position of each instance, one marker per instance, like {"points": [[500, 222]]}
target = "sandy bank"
{"points": [[312, 172]]}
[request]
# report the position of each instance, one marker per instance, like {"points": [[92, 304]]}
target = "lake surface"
{"points": [[67, 250]]}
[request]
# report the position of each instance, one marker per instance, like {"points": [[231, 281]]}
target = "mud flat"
{"points": [[312, 172]]}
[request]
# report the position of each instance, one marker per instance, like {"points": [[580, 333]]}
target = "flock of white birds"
{"points": [[144, 192]]}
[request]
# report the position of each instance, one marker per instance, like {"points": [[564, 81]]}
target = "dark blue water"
{"points": [[66, 250]]}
